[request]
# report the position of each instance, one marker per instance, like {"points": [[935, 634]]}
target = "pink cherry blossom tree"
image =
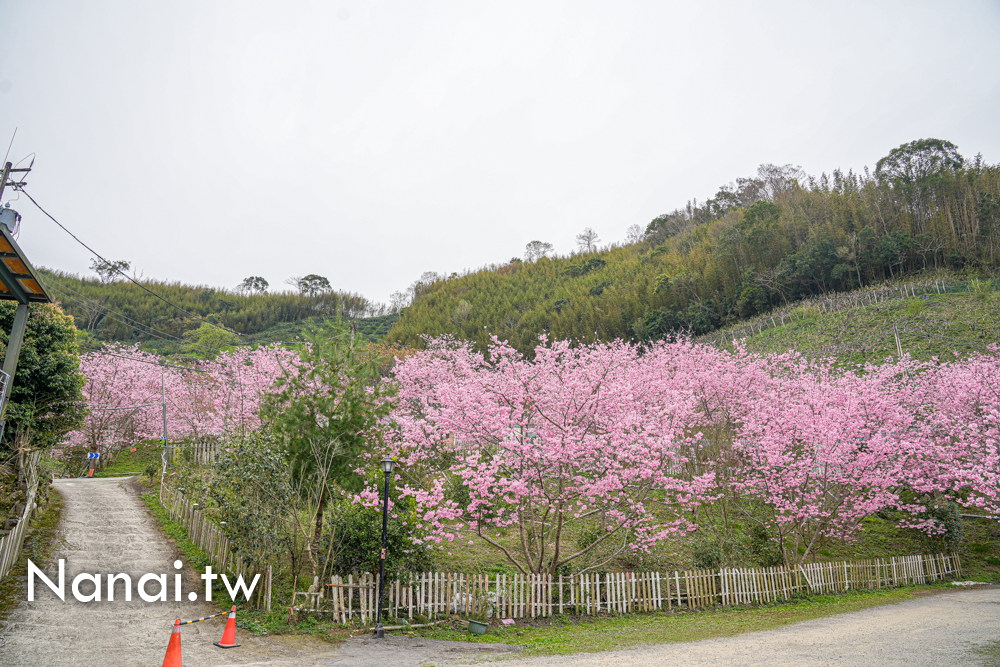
{"points": [[609, 434], [820, 449], [577, 436], [117, 386], [125, 387]]}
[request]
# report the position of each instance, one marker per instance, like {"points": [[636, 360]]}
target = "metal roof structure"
{"points": [[18, 279]]}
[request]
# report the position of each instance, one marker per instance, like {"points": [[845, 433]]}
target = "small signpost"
{"points": [[92, 456]]}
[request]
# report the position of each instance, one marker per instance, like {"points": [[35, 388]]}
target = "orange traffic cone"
{"points": [[229, 634], [173, 656]]}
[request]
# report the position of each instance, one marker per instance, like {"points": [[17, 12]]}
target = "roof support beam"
{"points": [[13, 351], [12, 285]]}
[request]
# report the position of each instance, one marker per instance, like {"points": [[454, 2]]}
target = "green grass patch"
{"points": [[563, 635], [988, 654], [146, 456], [194, 556], [882, 538], [38, 546], [934, 325]]}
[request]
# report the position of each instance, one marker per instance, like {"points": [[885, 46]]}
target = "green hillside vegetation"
{"points": [[939, 318], [120, 311], [762, 242], [372, 328]]}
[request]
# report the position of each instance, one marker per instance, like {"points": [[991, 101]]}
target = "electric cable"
{"points": [[101, 350], [119, 271], [9, 145], [98, 308], [126, 324]]}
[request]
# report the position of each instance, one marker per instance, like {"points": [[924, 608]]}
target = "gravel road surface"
{"points": [[932, 631], [106, 528]]}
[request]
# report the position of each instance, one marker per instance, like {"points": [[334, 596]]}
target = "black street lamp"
{"points": [[388, 465]]}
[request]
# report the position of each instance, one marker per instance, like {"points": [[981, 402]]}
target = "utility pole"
{"points": [[20, 315], [20, 283], [9, 169], [3, 178], [163, 386]]}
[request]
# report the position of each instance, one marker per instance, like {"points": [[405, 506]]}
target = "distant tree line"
{"points": [[766, 240], [109, 308]]}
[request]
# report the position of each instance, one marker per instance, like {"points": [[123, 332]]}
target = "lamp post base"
{"points": [[379, 632]]}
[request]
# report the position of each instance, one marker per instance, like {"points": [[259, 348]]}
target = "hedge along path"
{"points": [[520, 596]]}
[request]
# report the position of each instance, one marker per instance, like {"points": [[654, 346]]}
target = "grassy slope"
{"points": [[146, 455], [929, 326]]}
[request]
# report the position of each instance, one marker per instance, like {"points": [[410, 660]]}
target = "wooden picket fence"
{"points": [[11, 544], [436, 594], [210, 539]]}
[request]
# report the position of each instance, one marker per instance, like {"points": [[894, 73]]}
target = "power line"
{"points": [[101, 350], [143, 361], [147, 329], [49, 280], [112, 317], [97, 307], [10, 144], [119, 271]]}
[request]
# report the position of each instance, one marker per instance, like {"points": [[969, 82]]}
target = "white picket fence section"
{"points": [[12, 543], [436, 594], [209, 538]]}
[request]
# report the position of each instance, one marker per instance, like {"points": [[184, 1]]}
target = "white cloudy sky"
{"points": [[372, 141]]}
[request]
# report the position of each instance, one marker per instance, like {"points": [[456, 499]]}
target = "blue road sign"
{"points": [[93, 455]]}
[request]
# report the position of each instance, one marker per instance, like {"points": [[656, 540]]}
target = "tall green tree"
{"points": [[331, 409], [46, 400]]}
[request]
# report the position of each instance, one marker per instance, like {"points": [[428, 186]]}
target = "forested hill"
{"points": [[110, 309], [760, 242]]}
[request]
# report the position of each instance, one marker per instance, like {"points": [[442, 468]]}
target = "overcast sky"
{"points": [[368, 142]]}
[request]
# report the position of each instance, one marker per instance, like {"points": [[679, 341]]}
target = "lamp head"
{"points": [[388, 465]]}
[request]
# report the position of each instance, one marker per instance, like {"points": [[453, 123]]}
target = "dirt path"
{"points": [[930, 631]]}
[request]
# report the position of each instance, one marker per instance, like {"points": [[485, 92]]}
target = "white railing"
{"points": [[11, 544]]}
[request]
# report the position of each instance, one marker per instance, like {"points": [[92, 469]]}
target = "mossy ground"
{"points": [[988, 654], [40, 541]]}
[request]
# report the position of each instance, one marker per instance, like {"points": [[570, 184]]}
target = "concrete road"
{"points": [[106, 528]]}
